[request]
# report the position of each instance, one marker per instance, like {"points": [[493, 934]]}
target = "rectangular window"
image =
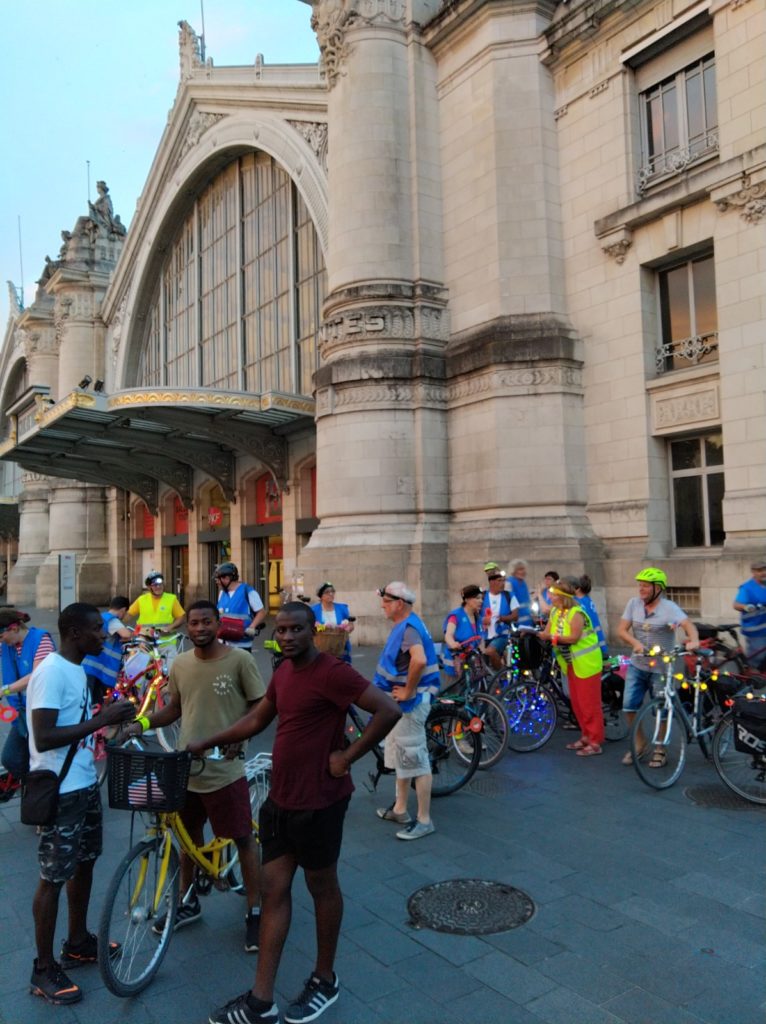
{"points": [[697, 487], [688, 315], [679, 122], [687, 598]]}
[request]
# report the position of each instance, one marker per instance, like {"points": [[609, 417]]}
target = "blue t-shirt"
{"points": [[753, 623]]}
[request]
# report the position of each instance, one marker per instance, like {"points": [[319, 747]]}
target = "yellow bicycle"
{"points": [[144, 890]]}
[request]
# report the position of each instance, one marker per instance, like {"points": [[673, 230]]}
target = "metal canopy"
{"points": [[137, 439]]}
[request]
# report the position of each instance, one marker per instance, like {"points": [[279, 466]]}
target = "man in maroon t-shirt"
{"points": [[301, 822]]}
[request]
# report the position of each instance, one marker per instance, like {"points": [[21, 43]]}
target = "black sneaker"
{"points": [[316, 996], [246, 1009], [53, 985], [187, 913], [85, 953], [252, 931]]}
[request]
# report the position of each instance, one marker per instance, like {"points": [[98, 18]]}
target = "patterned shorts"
{"points": [[74, 837]]}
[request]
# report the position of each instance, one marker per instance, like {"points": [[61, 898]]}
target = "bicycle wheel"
{"points": [[447, 730], [259, 786], [615, 726], [143, 890], [663, 742], [494, 738], [744, 773], [532, 715], [168, 735]]}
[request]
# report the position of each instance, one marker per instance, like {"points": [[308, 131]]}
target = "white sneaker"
{"points": [[416, 830]]}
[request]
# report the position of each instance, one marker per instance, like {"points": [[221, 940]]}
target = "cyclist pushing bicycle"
{"points": [[649, 622], [210, 688]]}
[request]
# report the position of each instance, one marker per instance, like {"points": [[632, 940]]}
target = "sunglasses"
{"points": [[390, 597]]}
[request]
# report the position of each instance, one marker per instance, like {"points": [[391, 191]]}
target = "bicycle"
{"points": [[144, 890], [739, 747], [472, 688], [666, 726], [454, 746], [143, 681], [523, 685]]}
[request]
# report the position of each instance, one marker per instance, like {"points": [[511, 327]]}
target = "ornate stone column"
{"points": [[381, 431]]}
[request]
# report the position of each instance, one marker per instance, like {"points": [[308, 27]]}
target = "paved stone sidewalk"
{"points": [[649, 909]]}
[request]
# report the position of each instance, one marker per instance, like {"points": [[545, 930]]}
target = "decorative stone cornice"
{"points": [[331, 20], [315, 134], [200, 122], [379, 394], [750, 200], [519, 380]]}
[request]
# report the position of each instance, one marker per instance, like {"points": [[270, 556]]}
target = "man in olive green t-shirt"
{"points": [[210, 688]]}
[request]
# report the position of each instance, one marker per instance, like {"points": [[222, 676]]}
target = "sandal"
{"points": [[589, 750], [658, 758], [578, 745], [627, 758]]}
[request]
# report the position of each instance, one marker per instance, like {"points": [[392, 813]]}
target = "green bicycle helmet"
{"points": [[652, 575]]}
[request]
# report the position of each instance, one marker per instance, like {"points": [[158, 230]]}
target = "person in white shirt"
{"points": [[59, 716]]}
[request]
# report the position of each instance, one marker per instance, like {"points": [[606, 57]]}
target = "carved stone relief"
{"points": [[61, 313], [521, 380], [683, 410], [200, 122], [331, 20], [315, 134], [117, 327], [750, 200], [381, 323]]}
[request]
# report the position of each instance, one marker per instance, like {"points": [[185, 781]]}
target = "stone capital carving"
{"points": [[331, 20], [750, 200], [199, 123], [315, 134]]}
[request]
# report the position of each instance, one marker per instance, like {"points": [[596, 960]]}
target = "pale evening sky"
{"points": [[94, 80]]}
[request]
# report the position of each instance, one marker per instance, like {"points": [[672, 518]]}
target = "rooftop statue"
{"points": [[102, 211]]}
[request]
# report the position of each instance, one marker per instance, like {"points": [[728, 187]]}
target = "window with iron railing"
{"points": [[687, 314], [679, 122]]}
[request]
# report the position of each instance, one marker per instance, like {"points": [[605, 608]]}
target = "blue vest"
{"points": [[16, 666], [237, 603], [521, 593], [753, 624], [341, 613], [105, 666], [386, 676], [501, 628], [464, 630]]}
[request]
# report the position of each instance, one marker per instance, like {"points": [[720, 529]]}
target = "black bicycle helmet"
{"points": [[227, 569], [154, 577]]}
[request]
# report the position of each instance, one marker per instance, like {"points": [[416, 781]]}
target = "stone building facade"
{"points": [[487, 282]]}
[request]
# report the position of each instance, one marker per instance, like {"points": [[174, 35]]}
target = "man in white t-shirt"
{"points": [[499, 609], [58, 715]]}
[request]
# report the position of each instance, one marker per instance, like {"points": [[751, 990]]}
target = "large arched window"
{"points": [[239, 296]]}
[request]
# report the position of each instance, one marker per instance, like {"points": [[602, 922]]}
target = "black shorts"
{"points": [[313, 838]]}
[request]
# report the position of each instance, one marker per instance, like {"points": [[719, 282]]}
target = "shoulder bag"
{"points": [[40, 789]]}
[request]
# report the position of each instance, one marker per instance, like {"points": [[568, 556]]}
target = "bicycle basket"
{"points": [[331, 640], [749, 721], [141, 781]]}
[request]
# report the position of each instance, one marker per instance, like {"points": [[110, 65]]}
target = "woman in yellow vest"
{"points": [[578, 652]]}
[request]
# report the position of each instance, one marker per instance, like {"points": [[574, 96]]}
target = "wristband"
{"points": [[143, 721], [555, 639], [6, 690]]}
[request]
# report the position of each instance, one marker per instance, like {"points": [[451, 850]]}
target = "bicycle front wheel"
{"points": [[744, 773], [532, 715], [142, 895], [658, 744], [454, 750], [494, 738]]}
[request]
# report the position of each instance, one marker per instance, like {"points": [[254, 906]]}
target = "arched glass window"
{"points": [[238, 302]]}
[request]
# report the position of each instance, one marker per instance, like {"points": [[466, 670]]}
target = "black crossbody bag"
{"points": [[40, 788]]}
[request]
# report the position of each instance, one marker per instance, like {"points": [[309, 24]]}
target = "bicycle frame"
{"points": [[673, 704]]}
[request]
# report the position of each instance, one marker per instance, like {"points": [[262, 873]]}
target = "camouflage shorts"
{"points": [[73, 838]]}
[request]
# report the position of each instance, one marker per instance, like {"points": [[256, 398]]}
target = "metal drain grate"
{"points": [[469, 906], [718, 798], [494, 784]]}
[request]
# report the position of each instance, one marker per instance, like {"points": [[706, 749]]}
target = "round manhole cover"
{"points": [[469, 906], [718, 798]]}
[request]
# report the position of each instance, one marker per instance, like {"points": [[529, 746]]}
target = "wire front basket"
{"points": [[142, 781]]}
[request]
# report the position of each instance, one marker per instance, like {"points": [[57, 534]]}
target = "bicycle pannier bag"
{"points": [[231, 628], [39, 797], [749, 722]]}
